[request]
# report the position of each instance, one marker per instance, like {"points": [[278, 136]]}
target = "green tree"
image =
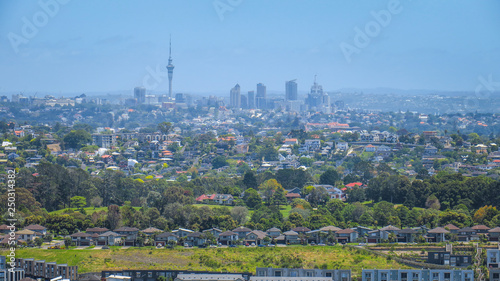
{"points": [[252, 198], [278, 197], [268, 188], [78, 201], [219, 161], [330, 176], [76, 139]]}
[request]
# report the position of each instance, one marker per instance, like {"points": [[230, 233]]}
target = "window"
{"points": [[466, 259], [138, 274], [150, 274], [328, 274], [277, 273], [293, 274], [368, 276], [261, 273], [383, 276], [447, 275], [435, 276], [436, 256], [309, 274], [496, 275]]}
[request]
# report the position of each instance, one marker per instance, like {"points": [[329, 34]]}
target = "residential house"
{"points": [[347, 235], [228, 238], [407, 235], [37, 228], [129, 234], [195, 239], [301, 230], [81, 239], [448, 258], [109, 238], [97, 230], [27, 235], [452, 228], [242, 231], [151, 230], [182, 232], [494, 234], [362, 230], [291, 237], [436, 235], [291, 196], [383, 234], [214, 231], [370, 148], [312, 144], [342, 145], [165, 238], [224, 199], [481, 229], [467, 234], [273, 232], [256, 237], [291, 142], [4, 229]]}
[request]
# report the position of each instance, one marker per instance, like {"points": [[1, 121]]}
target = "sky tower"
{"points": [[170, 68]]}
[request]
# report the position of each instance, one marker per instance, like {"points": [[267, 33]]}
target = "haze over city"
{"points": [[96, 46]]}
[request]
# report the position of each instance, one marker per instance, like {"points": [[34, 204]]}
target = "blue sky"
{"points": [[89, 46]]}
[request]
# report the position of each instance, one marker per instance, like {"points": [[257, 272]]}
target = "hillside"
{"points": [[212, 259]]}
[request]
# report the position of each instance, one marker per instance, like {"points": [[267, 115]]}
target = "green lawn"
{"points": [[88, 210], [239, 259]]}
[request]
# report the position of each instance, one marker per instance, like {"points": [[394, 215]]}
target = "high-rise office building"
{"points": [[251, 99], [260, 99], [140, 94], [243, 101], [235, 97], [291, 90]]}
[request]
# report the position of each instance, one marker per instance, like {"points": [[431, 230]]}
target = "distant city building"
{"points": [[180, 98], [251, 99], [104, 140], [140, 94], [291, 90], [261, 97], [235, 97], [244, 101]]}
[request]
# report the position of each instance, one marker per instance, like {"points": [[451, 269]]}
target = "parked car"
{"points": [[105, 247]]}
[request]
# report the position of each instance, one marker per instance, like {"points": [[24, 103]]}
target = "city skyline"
{"points": [[368, 44]]}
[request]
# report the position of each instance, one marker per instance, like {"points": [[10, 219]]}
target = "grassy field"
{"points": [[212, 259], [88, 210]]}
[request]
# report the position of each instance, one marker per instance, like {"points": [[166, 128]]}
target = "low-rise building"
{"points": [[416, 275]]}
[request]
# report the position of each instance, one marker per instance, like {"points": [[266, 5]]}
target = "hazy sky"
{"points": [[84, 46]]}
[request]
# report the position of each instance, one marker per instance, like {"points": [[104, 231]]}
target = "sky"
{"points": [[76, 46]]}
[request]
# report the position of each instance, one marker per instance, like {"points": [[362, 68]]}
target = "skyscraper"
{"points": [[235, 97], [260, 99], [251, 99], [140, 94], [291, 90], [170, 68]]}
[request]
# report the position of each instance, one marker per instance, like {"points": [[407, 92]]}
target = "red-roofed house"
{"points": [[291, 141], [353, 184], [291, 196]]}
